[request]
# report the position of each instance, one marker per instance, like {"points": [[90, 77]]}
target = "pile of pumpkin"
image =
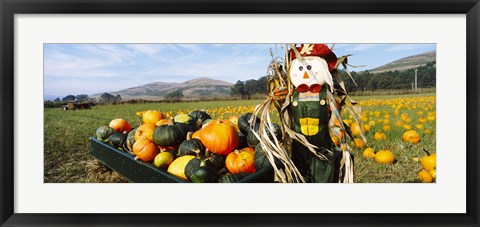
{"points": [[193, 146]]}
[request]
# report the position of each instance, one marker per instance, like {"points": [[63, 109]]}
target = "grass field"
{"points": [[67, 135]]}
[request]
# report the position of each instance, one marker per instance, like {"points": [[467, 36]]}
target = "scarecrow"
{"points": [[309, 103]]}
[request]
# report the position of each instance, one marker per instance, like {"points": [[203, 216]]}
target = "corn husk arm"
{"points": [[337, 128], [346, 101]]}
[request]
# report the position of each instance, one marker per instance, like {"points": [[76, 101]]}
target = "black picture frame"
{"points": [[8, 8]]}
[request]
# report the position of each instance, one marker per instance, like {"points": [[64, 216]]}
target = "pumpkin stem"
{"points": [[189, 135], [207, 153], [222, 171], [171, 121], [197, 152], [428, 153]]}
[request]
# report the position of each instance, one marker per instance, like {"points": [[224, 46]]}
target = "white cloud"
{"points": [[58, 63], [147, 49], [92, 60], [358, 47], [194, 48], [401, 47]]}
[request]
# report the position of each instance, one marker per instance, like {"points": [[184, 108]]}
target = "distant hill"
{"points": [[192, 89], [407, 62]]}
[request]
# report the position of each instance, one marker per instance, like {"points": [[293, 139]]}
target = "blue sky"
{"points": [[94, 68]]}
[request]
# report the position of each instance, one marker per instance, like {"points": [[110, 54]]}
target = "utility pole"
{"points": [[416, 79]]}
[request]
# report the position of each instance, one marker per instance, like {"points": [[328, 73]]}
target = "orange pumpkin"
{"points": [[220, 137], [355, 128], [358, 143], [196, 134], [425, 176], [366, 128], [241, 161], [152, 116], [380, 136], [145, 149], [145, 131], [411, 136], [385, 157], [120, 125], [386, 127], [429, 161], [369, 153]]}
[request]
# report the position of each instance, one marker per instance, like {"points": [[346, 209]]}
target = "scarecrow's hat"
{"points": [[319, 50]]}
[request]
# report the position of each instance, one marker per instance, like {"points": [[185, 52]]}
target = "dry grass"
{"points": [[97, 172]]}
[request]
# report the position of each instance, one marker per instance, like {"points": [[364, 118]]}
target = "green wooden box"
{"points": [[141, 172]]}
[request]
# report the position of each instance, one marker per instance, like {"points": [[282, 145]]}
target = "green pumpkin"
{"points": [[131, 139], [232, 178], [204, 174], [169, 135], [260, 160], [103, 132], [252, 140], [198, 171], [244, 122], [216, 161], [199, 117], [243, 141], [187, 120], [191, 147], [277, 130], [117, 140], [191, 166]]}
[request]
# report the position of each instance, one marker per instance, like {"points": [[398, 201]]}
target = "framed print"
{"points": [[96, 150]]}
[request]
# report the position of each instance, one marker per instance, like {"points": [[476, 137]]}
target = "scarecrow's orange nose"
{"points": [[305, 75]]}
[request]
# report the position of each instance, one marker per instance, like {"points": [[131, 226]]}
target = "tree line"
{"points": [[105, 98], [392, 80], [247, 89], [365, 80]]}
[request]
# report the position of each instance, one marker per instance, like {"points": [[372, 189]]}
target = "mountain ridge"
{"points": [[197, 88], [408, 62]]}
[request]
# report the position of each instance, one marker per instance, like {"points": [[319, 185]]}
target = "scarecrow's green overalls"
{"points": [[310, 112]]}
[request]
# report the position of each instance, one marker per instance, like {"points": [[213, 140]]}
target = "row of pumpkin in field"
{"points": [[192, 146], [428, 161]]}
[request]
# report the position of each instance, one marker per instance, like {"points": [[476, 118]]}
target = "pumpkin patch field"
{"points": [[400, 139]]}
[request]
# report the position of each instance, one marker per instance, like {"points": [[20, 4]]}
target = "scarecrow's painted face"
{"points": [[311, 70]]}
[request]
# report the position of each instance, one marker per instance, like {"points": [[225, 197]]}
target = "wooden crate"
{"points": [[141, 172]]}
